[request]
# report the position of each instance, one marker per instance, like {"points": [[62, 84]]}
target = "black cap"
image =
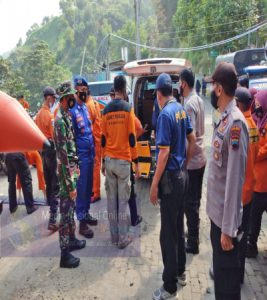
{"points": [[49, 91], [225, 74], [243, 95]]}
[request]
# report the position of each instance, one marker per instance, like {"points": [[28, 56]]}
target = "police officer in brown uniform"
{"points": [[225, 180]]}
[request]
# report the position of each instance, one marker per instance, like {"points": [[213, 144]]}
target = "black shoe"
{"points": [[1, 206], [125, 244], [69, 261], [91, 220], [31, 209], [85, 230], [192, 247], [76, 244], [252, 250], [138, 221], [14, 209]]}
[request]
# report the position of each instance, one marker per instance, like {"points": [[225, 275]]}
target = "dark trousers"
{"points": [[226, 267], [18, 165], [259, 205], [243, 242], [172, 239], [67, 223], [192, 202], [84, 188], [51, 179], [132, 201]]}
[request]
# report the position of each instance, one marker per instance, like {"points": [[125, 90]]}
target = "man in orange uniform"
{"points": [[24, 103], [243, 100], [34, 158], [44, 120], [119, 149], [259, 204], [95, 115]]}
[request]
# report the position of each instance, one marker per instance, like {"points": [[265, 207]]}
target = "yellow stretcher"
{"points": [[145, 158]]}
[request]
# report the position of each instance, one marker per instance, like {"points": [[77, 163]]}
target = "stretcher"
{"points": [[145, 157]]}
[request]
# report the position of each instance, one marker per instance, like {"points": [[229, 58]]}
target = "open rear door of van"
{"points": [[156, 66]]}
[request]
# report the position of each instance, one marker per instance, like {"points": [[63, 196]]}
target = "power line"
{"points": [[237, 16], [202, 47], [205, 27]]}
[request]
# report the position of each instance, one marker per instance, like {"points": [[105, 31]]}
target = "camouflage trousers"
{"points": [[67, 222]]}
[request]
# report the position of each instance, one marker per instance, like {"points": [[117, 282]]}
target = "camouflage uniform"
{"points": [[68, 173]]}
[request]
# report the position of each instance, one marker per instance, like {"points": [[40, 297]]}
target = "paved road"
{"points": [[30, 257]]}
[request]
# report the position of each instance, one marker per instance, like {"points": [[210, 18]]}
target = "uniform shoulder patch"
{"points": [[235, 133]]}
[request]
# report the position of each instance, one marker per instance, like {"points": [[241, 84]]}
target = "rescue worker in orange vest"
{"points": [[34, 158], [24, 103], [44, 120], [95, 115], [119, 151], [259, 203], [135, 218], [243, 100]]}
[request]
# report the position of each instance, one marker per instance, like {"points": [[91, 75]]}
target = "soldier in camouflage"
{"points": [[68, 172]]}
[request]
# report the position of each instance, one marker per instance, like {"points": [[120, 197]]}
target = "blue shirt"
{"points": [[173, 126], [83, 131]]}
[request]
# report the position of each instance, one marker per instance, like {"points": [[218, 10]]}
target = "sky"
{"points": [[17, 16]]}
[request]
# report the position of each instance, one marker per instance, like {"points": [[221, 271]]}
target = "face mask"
{"points": [[82, 96], [181, 91], [71, 102], [259, 112], [214, 99]]}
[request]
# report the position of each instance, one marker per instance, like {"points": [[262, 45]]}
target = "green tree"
{"points": [[39, 69], [214, 21]]}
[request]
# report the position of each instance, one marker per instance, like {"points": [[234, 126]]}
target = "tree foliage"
{"points": [[214, 21]]}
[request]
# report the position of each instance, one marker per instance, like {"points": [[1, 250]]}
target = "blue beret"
{"points": [[80, 81]]}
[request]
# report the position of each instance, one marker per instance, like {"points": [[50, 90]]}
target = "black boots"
{"points": [[85, 230], [31, 209], [76, 244], [91, 220], [69, 261]]}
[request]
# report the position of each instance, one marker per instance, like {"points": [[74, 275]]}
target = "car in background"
{"points": [[243, 58], [257, 76], [144, 74], [100, 91]]}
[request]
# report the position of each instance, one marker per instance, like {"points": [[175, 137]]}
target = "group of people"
{"points": [[236, 190], [84, 140]]}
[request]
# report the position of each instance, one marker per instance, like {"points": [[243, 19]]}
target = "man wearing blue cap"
{"points": [[86, 152], [170, 183]]}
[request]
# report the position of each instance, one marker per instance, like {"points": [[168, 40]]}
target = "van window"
{"points": [[100, 89]]}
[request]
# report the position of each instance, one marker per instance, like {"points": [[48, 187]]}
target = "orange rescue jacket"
{"points": [[249, 183], [44, 120], [95, 115], [118, 131]]}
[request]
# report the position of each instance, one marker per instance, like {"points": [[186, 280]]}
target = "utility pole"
{"points": [[137, 26], [81, 70], [107, 67]]}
